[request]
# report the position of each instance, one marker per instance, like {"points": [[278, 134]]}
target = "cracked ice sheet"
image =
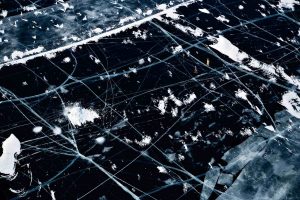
{"points": [[147, 111], [274, 172]]}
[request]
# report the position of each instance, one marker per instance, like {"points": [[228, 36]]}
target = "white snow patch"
{"points": [[162, 105], [222, 18], [66, 60], [226, 76], [52, 195], [100, 140], [4, 13], [148, 12], [141, 61], [97, 30], [20, 54], [190, 99], [288, 4], [177, 49], [37, 129], [11, 147], [173, 14], [224, 46], [291, 102], [96, 60], [174, 112], [258, 110], [246, 132], [133, 70], [161, 6], [66, 6], [270, 127], [29, 8], [139, 11], [126, 19], [186, 29], [241, 94], [209, 107], [174, 99], [57, 130], [204, 10], [140, 34], [78, 115], [146, 140], [162, 169], [50, 55], [59, 25]]}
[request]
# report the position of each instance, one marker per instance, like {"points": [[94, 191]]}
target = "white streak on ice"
{"points": [[224, 46]]}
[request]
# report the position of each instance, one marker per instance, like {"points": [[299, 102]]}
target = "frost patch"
{"points": [[146, 140]]}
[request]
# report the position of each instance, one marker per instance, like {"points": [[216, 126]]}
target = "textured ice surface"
{"points": [[225, 179], [139, 99], [69, 22]]}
